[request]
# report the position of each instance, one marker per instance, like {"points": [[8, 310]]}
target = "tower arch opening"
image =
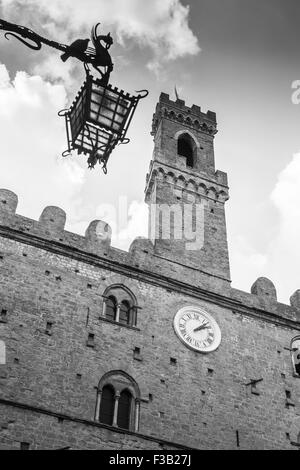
{"points": [[186, 147]]}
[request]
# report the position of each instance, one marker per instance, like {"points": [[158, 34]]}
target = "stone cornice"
{"points": [[198, 183], [190, 174]]}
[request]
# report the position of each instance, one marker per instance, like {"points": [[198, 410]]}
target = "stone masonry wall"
{"points": [[48, 384]]}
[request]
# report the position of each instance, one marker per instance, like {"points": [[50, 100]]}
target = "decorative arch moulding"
{"points": [[214, 192]]}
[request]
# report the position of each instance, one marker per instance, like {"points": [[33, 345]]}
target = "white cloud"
{"points": [[137, 225], [4, 77], [284, 252], [280, 260], [32, 139], [55, 70], [286, 197], [247, 264], [159, 25], [126, 222]]}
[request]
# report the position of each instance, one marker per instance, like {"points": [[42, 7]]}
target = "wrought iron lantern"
{"points": [[98, 120], [100, 115]]}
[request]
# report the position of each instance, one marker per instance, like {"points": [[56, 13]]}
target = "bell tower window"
{"points": [[185, 148]]}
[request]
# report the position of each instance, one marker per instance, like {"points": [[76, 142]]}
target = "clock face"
{"points": [[197, 329]]}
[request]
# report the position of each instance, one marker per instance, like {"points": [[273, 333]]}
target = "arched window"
{"points": [[120, 305], [295, 347], [107, 405], [111, 308], [124, 312], [124, 409], [118, 401], [185, 148]]}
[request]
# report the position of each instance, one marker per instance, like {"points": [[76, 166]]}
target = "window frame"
{"points": [[122, 295], [120, 382], [293, 351]]}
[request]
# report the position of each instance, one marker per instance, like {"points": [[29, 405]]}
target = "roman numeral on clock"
{"points": [[197, 329]]}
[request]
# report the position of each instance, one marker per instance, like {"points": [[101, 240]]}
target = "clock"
{"points": [[197, 329]]}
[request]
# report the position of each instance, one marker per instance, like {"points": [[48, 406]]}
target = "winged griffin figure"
{"points": [[97, 56]]}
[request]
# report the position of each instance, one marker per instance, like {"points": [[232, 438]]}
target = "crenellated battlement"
{"points": [[191, 117], [141, 260], [51, 226]]}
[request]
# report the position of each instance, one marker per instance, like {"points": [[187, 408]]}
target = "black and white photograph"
{"points": [[149, 228]]}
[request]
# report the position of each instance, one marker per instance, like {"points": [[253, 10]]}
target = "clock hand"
{"points": [[201, 327]]}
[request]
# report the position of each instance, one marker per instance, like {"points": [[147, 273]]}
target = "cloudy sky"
{"points": [[238, 58]]}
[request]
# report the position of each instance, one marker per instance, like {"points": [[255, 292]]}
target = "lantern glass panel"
{"points": [[108, 109], [77, 115], [92, 138]]}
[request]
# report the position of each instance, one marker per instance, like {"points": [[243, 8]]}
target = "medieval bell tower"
{"points": [[185, 194]]}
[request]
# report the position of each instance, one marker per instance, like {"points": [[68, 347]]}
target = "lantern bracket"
{"points": [[98, 56]]}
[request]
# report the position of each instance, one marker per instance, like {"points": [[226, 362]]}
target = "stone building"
{"points": [[151, 348]]}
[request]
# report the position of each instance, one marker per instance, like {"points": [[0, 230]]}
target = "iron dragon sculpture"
{"points": [[100, 115]]}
